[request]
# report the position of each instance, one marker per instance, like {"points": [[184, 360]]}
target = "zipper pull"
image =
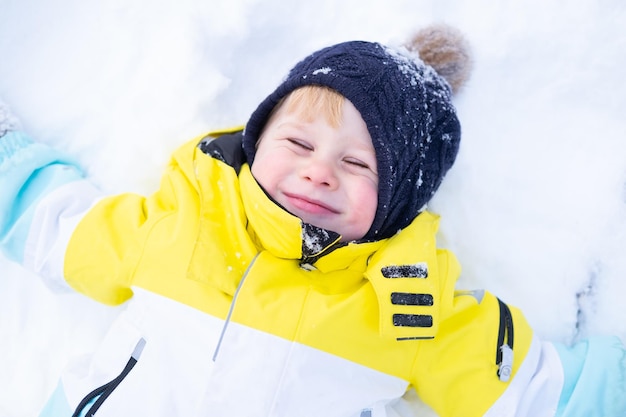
{"points": [[505, 367]]}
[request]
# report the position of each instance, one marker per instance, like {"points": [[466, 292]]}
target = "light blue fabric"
{"points": [[28, 171], [57, 405], [595, 373]]}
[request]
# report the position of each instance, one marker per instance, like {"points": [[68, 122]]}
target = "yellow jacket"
{"points": [[212, 240], [234, 307]]}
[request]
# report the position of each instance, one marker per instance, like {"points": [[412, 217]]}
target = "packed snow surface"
{"points": [[535, 207]]}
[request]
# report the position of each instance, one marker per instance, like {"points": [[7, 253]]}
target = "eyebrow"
{"points": [[291, 124]]}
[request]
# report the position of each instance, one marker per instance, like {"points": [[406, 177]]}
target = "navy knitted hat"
{"points": [[408, 111]]}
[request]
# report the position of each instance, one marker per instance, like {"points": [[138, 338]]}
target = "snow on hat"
{"points": [[406, 106]]}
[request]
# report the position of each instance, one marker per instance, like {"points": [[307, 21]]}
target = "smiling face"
{"points": [[318, 167]]}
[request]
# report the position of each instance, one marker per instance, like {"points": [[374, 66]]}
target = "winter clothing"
{"points": [[407, 109], [237, 308]]}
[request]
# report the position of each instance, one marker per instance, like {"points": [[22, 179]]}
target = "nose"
{"points": [[319, 172]]}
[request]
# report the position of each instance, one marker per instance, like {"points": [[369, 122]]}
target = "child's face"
{"points": [[324, 174]]}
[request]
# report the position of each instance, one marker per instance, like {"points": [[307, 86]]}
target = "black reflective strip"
{"points": [[412, 320], [409, 299], [415, 338], [405, 271]]}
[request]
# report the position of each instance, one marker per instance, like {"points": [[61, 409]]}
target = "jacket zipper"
{"points": [[232, 306], [504, 350], [100, 394]]}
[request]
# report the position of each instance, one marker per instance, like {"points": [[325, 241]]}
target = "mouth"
{"points": [[309, 205]]}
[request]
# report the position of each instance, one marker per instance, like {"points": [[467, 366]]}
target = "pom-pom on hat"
{"points": [[408, 111]]}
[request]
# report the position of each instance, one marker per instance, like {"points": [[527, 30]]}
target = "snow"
{"points": [[535, 207]]}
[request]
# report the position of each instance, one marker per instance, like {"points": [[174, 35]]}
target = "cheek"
{"points": [[268, 170], [365, 200], [261, 172]]}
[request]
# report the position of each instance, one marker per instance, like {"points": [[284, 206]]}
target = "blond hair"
{"points": [[313, 100]]}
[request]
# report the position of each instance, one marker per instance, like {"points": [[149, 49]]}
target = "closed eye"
{"points": [[301, 144], [357, 163]]}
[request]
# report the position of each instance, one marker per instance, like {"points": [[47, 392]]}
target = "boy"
{"points": [[292, 269]]}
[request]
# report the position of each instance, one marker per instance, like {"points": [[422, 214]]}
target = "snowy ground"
{"points": [[535, 208]]}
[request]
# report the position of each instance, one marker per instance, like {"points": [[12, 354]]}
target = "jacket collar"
{"points": [[272, 227], [277, 230]]}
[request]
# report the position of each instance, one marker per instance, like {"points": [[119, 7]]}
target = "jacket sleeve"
{"points": [[466, 370], [42, 196], [122, 235], [58, 224], [594, 378]]}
